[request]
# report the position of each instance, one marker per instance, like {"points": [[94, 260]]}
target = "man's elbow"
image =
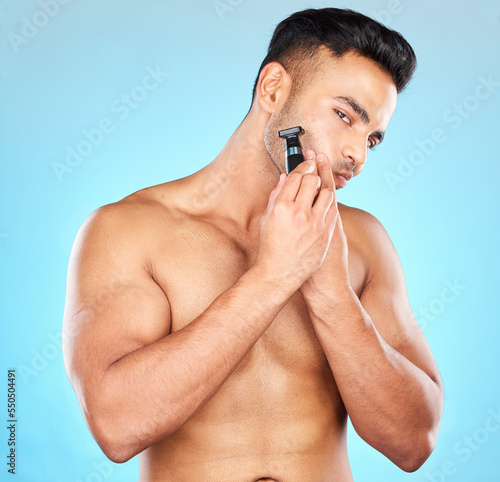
{"points": [[120, 441], [413, 455], [116, 452], [108, 421], [119, 434], [421, 439], [113, 439]]}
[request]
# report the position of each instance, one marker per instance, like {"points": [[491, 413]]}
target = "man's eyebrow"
{"points": [[356, 108], [361, 112]]}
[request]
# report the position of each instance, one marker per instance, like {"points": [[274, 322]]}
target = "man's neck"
{"points": [[236, 185]]}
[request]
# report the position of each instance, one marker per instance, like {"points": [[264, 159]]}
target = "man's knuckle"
{"points": [[280, 206], [294, 176], [311, 179], [301, 215]]}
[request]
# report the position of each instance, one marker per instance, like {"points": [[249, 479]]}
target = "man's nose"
{"points": [[354, 151]]}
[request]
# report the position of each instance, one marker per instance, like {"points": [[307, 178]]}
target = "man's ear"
{"points": [[273, 87]]}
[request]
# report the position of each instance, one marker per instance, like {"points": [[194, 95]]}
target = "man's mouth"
{"points": [[342, 179]]}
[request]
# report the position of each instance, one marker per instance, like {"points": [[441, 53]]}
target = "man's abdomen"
{"points": [[278, 416]]}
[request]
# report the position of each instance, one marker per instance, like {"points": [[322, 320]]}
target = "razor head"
{"points": [[294, 155], [293, 131]]}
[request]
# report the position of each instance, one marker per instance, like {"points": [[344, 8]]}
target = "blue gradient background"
{"points": [[442, 215]]}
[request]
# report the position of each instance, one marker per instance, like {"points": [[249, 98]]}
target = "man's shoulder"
{"points": [[140, 215], [366, 234], [360, 222], [368, 238]]}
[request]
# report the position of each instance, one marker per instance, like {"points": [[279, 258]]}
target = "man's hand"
{"points": [[333, 275], [297, 226], [381, 363]]}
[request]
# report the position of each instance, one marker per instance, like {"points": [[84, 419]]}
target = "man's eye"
{"points": [[371, 144], [343, 116]]}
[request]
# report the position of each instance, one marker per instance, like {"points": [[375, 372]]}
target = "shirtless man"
{"points": [[225, 325]]}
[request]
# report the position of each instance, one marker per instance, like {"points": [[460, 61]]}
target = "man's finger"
{"points": [[323, 202], [294, 179], [309, 188], [325, 172], [277, 189]]}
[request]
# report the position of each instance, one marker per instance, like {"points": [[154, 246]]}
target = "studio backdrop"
{"points": [[100, 99]]}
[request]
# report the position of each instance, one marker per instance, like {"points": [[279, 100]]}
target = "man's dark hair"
{"points": [[296, 40]]}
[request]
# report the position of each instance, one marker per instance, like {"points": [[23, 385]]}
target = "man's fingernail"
{"points": [[309, 154], [321, 158]]}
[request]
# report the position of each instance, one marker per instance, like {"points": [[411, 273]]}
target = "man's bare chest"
{"points": [[198, 264]]}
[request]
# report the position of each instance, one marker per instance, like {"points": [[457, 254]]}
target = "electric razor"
{"points": [[294, 154]]}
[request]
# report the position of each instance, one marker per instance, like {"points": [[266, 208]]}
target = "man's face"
{"points": [[344, 110]]}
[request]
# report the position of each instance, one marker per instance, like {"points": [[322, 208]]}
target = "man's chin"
{"points": [[340, 182]]}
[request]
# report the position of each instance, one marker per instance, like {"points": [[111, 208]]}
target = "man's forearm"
{"points": [[151, 392], [393, 405]]}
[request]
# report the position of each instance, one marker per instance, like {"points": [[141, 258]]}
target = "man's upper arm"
{"points": [[113, 305], [385, 298]]}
